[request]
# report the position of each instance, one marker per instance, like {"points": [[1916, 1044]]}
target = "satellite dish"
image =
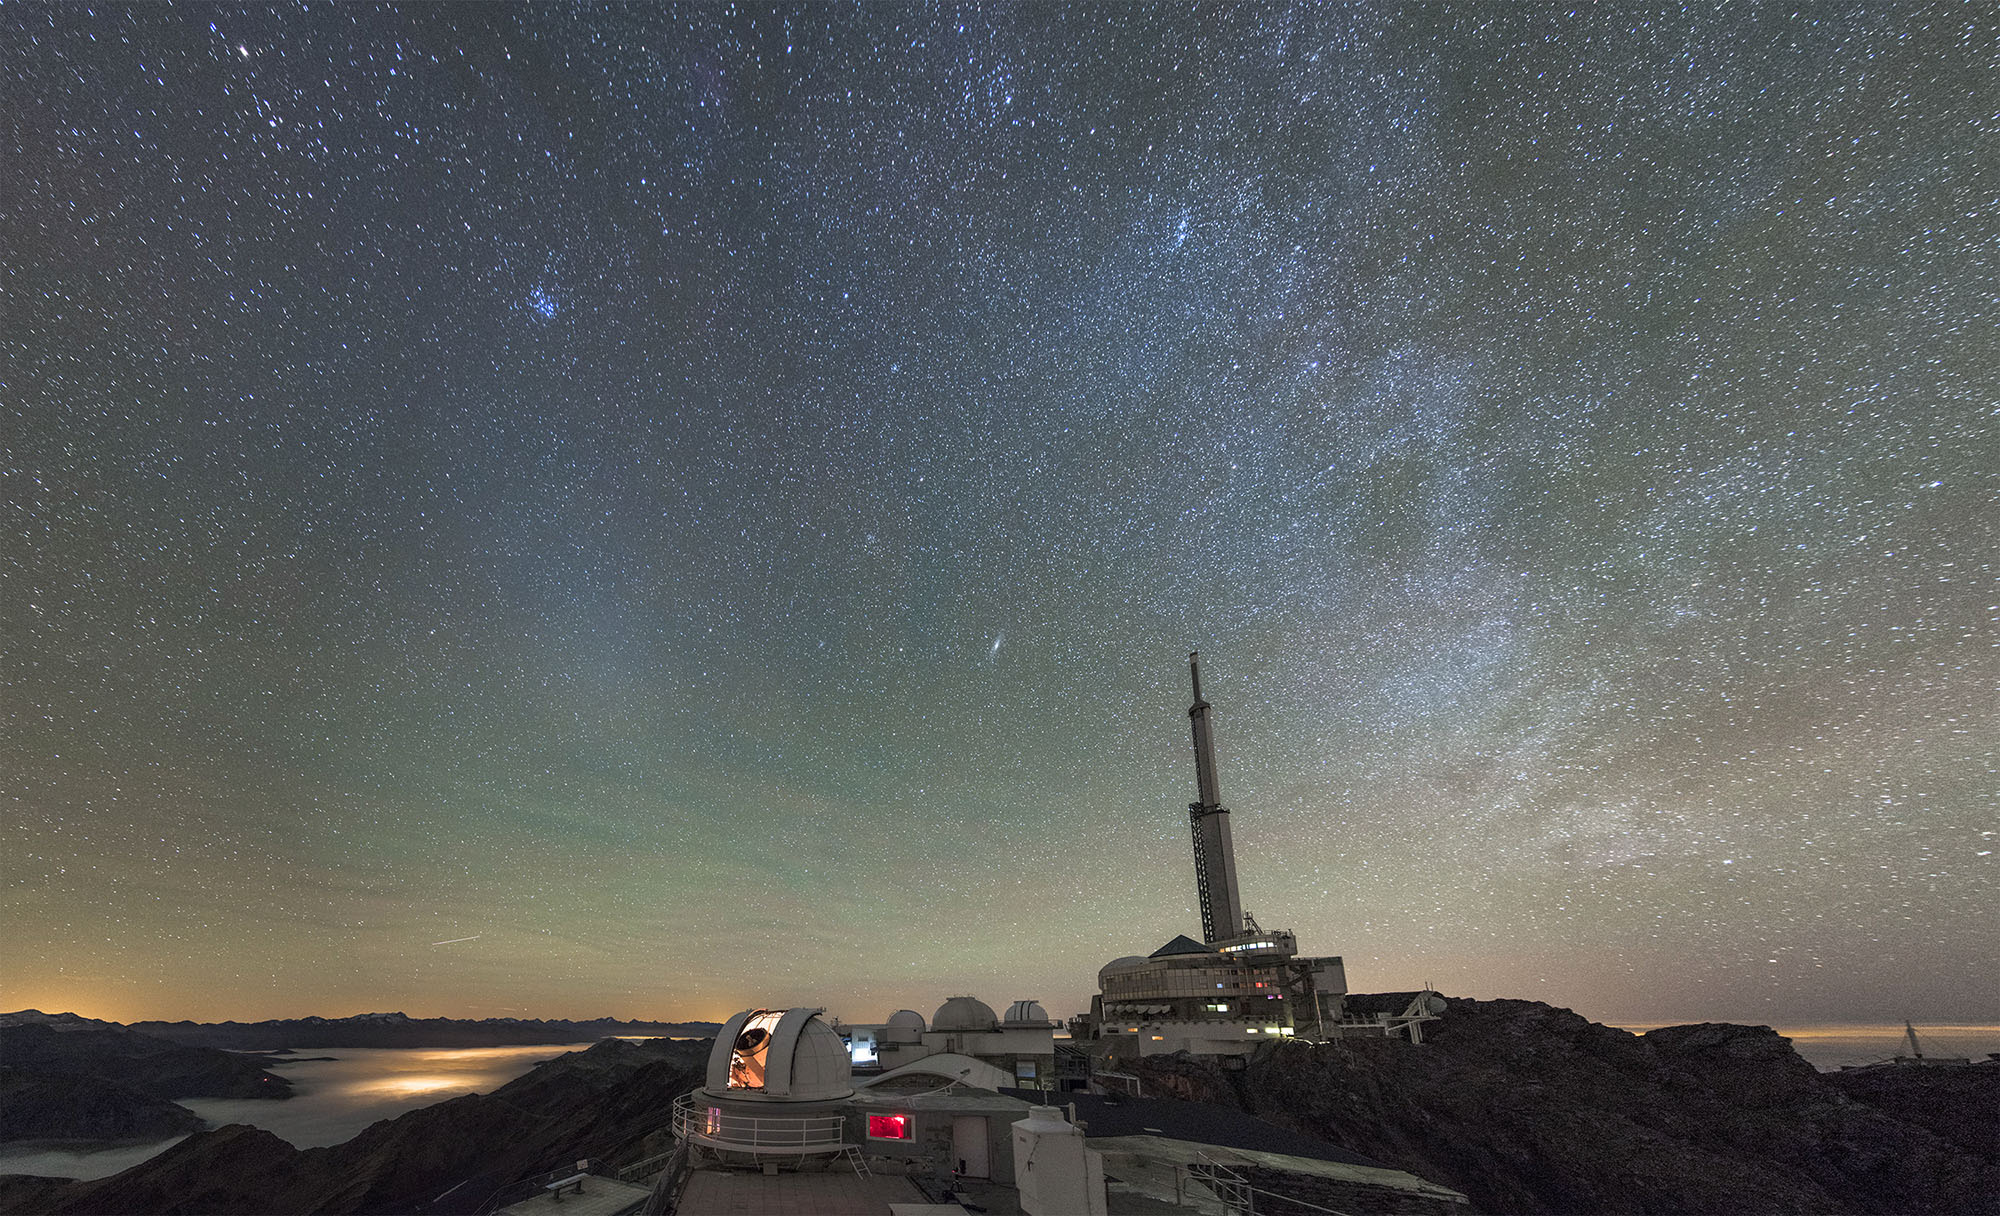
{"points": [[1434, 1004]]}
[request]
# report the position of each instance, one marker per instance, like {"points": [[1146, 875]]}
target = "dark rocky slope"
{"points": [[96, 1082], [610, 1102], [36, 1106], [1531, 1109], [1961, 1105]]}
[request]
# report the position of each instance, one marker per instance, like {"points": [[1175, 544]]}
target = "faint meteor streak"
{"points": [[454, 941]]}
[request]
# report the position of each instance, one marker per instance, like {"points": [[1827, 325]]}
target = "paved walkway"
{"points": [[601, 1197], [834, 1193]]}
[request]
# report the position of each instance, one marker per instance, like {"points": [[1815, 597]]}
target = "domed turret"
{"points": [[779, 1056], [965, 1013], [1028, 1013], [904, 1026], [776, 1078]]}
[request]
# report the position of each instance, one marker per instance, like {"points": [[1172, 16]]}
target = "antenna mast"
{"points": [[1214, 854]]}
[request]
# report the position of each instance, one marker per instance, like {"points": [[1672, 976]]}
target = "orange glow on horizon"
{"points": [[118, 1002]]}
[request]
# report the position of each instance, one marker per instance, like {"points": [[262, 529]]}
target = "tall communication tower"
{"points": [[1214, 855]]}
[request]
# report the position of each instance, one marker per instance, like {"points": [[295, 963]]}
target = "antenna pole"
{"points": [[1214, 853]]}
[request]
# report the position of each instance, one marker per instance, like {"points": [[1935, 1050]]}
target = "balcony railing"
{"points": [[697, 1121]]}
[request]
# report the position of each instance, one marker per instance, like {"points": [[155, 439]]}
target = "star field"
{"points": [[710, 505]]}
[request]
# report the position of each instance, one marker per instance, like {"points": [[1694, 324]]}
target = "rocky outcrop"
{"points": [[1961, 1105], [35, 1106], [136, 1062], [1527, 1108], [611, 1102]]}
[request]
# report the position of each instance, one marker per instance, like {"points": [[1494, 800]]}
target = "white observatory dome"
{"points": [[964, 1013], [1027, 1013], [788, 1055], [903, 1026]]}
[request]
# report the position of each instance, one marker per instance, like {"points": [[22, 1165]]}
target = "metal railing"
{"points": [[1206, 1180], [640, 1170], [531, 1186], [1230, 1189], [695, 1120]]}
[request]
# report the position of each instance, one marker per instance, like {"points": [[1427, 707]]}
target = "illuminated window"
{"points": [[889, 1127], [1218, 1008], [746, 1057], [1249, 1030]]}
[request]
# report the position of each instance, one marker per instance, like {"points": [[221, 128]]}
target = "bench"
{"points": [[555, 1189]]}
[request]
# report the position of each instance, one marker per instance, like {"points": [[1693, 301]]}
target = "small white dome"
{"points": [[1027, 1013], [787, 1056], [964, 1013], [905, 1027]]}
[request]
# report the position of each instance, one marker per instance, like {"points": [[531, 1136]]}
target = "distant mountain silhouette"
{"points": [[610, 1102], [401, 1030], [69, 1078], [374, 1030]]}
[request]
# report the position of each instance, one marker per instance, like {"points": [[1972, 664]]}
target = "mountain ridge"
{"points": [[392, 1029], [1523, 1107]]}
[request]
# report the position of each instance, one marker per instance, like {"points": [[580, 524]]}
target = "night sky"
{"points": [[567, 511]]}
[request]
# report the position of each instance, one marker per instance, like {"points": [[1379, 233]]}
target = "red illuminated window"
{"points": [[888, 1127]]}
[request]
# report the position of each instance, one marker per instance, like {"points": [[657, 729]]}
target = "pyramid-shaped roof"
{"points": [[1182, 944]]}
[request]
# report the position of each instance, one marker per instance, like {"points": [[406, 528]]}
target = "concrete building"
{"points": [[1239, 986], [1187, 996], [776, 1127], [1018, 1049]]}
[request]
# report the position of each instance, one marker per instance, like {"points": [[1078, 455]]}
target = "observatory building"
{"points": [[776, 1088], [1241, 984], [1015, 1050]]}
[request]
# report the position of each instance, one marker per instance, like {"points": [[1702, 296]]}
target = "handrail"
{"points": [[640, 1169], [729, 1129], [1232, 1181], [524, 1188]]}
